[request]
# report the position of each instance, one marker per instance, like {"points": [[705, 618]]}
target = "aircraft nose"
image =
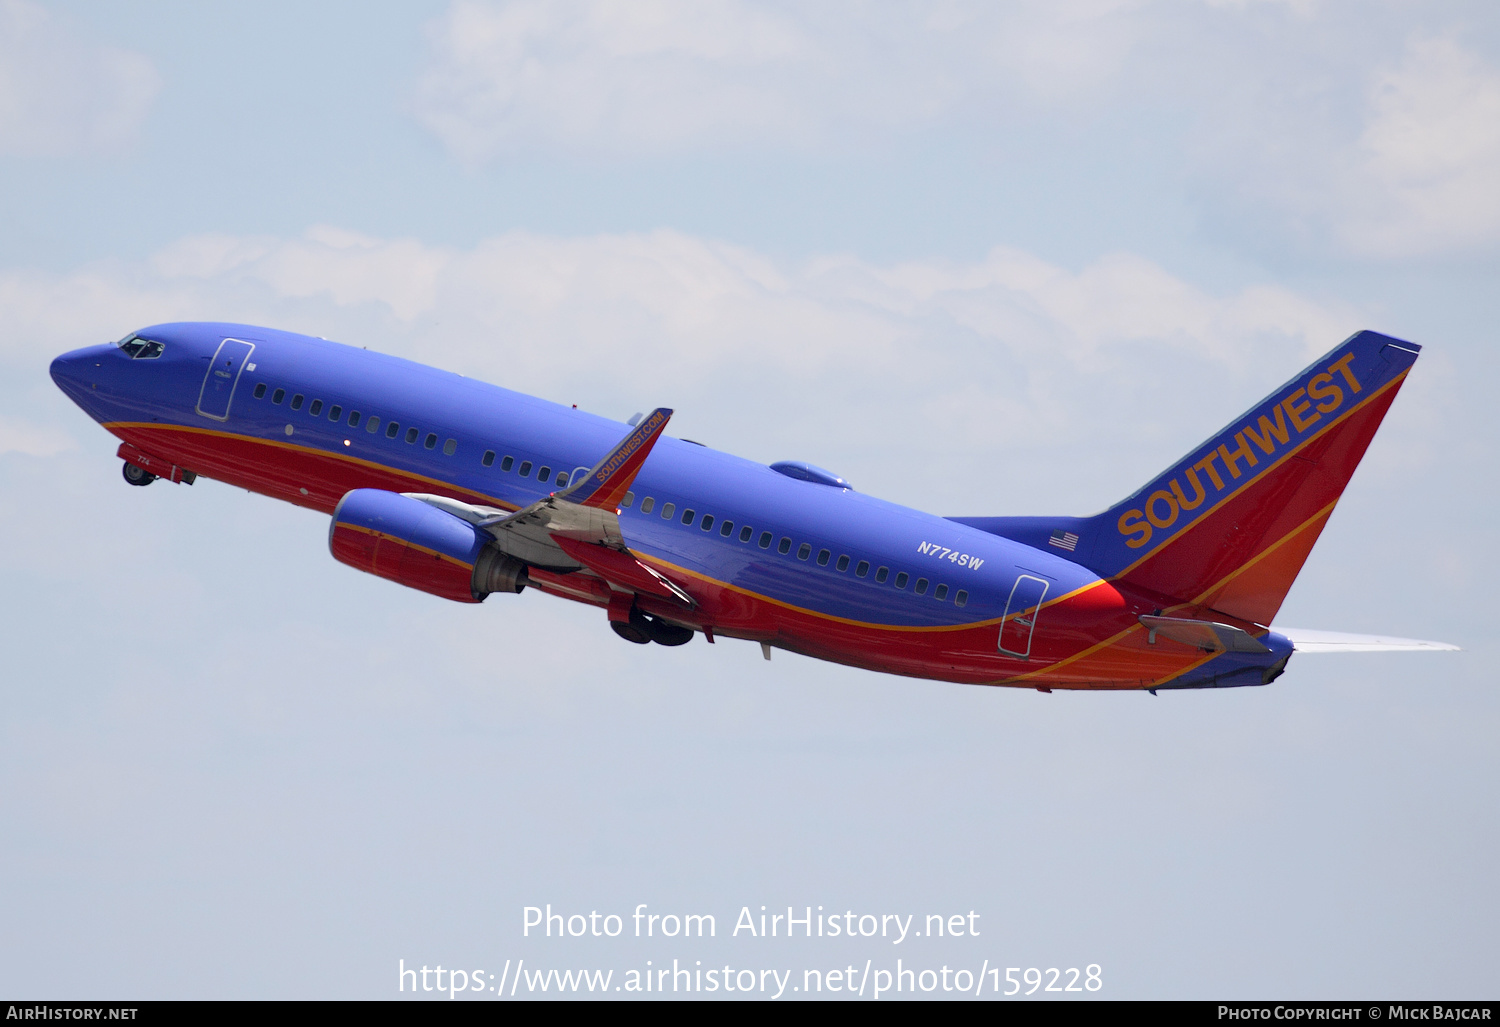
{"points": [[66, 371], [77, 372]]}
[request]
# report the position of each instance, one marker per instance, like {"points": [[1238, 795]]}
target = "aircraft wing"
{"points": [[579, 526], [560, 536], [1305, 640]]}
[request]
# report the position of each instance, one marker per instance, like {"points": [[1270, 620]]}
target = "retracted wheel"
{"points": [[135, 476], [630, 633], [659, 631]]}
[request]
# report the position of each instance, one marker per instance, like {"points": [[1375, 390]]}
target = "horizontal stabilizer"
{"points": [[1305, 640], [1209, 636]]}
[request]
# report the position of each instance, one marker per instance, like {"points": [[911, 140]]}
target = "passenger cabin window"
{"points": [[562, 476], [784, 546], [372, 424], [765, 540], [823, 556], [804, 551], [354, 418], [921, 586], [411, 439], [392, 430], [726, 529], [940, 593], [507, 463], [544, 474], [450, 447], [962, 599], [882, 574], [667, 511], [260, 391], [708, 522], [334, 413], [278, 395], [863, 568], [843, 563], [687, 516], [488, 459], [315, 409], [746, 532], [647, 504], [429, 441], [627, 501], [297, 401], [525, 470], [901, 580]]}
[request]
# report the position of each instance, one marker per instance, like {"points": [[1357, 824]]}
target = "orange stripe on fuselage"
{"points": [[964, 653]]}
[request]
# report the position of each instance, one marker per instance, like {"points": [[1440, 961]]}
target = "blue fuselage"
{"points": [[824, 570]]}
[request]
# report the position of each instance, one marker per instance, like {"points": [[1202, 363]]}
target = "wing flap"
{"points": [[621, 567]]}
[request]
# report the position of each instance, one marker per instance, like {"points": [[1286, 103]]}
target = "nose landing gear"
{"points": [[135, 476]]}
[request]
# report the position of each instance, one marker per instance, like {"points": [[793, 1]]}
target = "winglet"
{"points": [[611, 477]]}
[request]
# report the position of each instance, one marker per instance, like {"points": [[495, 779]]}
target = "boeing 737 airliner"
{"points": [[463, 489]]}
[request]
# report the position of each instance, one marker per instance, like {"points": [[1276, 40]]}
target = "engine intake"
{"points": [[413, 544]]}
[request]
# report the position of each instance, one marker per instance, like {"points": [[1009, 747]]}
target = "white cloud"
{"points": [[926, 365], [63, 94], [1275, 101], [17, 436], [1429, 155], [653, 75]]}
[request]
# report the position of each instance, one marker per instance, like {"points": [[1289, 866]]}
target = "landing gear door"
{"points": [[223, 374], [1021, 611]]}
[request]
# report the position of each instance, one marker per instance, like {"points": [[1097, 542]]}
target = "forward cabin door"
{"points": [[223, 374], [1021, 611]]}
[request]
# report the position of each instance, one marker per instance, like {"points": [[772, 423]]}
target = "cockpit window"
{"points": [[139, 348]]}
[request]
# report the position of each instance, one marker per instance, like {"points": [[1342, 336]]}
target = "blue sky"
{"points": [[979, 259]]}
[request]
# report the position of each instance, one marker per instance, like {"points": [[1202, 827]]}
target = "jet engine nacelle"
{"points": [[420, 546]]}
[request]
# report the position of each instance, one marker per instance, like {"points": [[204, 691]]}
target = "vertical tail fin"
{"points": [[1229, 526]]}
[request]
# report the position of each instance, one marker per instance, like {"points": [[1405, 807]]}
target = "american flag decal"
{"points": [[1064, 540]]}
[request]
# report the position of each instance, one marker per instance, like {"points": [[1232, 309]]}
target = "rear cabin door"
{"points": [[223, 374], [1021, 611]]}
